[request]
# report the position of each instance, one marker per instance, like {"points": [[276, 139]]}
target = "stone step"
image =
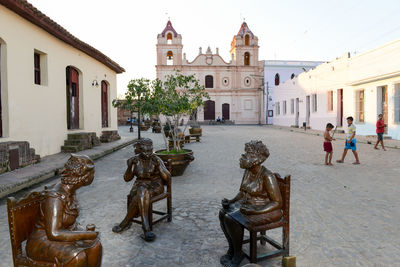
{"points": [[78, 136], [72, 142], [70, 148]]}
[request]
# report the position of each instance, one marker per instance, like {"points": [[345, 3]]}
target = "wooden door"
{"points": [[1, 114], [308, 112], [225, 111], [297, 112], [104, 104], [385, 111], [339, 108], [73, 98], [209, 110]]}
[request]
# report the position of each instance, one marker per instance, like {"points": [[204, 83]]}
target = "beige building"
{"points": [[362, 86], [235, 87], [52, 84]]}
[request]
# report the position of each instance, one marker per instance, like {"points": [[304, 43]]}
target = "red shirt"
{"points": [[380, 126]]}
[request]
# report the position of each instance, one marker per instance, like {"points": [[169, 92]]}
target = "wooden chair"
{"points": [[167, 194], [22, 216], [283, 248]]}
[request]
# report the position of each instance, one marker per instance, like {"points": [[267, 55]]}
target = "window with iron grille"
{"points": [[37, 68], [291, 106], [359, 105], [284, 107], [397, 103], [330, 100], [314, 102]]}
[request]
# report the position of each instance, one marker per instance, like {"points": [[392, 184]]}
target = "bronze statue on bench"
{"points": [[258, 202], [47, 221], [152, 176]]}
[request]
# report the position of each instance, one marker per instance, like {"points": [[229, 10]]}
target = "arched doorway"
{"points": [[209, 110], [104, 104], [225, 111], [72, 98]]}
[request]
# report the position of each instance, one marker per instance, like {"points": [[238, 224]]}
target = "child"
{"points": [[380, 129], [350, 141], [328, 144]]}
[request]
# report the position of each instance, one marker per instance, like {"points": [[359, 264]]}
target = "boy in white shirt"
{"points": [[350, 141]]}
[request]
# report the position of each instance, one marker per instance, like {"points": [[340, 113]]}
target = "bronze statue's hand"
{"points": [[247, 210]]}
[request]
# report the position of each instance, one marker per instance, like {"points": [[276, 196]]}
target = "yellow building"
{"points": [[52, 83]]}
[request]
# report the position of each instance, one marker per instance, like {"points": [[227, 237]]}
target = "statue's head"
{"points": [[144, 146], [79, 169], [256, 153]]}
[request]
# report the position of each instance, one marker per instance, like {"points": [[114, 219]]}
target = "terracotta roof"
{"points": [[32, 14], [169, 28], [244, 29]]}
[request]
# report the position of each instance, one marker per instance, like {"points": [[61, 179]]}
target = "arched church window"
{"points": [[277, 79], [169, 38], [170, 58], [209, 81], [247, 58], [247, 40]]}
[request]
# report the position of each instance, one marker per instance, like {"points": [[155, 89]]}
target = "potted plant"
{"points": [[175, 98]]}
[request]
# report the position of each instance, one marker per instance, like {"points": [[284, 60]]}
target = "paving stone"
{"points": [[343, 215]]}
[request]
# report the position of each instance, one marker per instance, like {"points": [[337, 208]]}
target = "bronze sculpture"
{"points": [[151, 175], [258, 202], [55, 237]]}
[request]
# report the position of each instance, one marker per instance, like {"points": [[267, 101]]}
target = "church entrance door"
{"points": [[209, 110]]}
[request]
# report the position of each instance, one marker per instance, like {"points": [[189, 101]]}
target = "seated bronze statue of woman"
{"points": [[258, 202], [151, 175], [55, 237]]}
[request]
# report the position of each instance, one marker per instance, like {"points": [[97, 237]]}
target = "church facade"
{"points": [[235, 87]]}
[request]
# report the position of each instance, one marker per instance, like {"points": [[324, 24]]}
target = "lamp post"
{"points": [[131, 129], [138, 122]]}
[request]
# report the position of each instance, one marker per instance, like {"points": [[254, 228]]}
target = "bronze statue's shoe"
{"points": [[119, 229], [148, 236], [236, 260], [225, 259]]}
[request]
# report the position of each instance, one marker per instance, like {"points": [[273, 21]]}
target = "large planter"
{"points": [[179, 162], [195, 131], [144, 127]]}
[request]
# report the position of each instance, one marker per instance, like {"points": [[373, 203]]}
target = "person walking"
{"points": [[380, 129], [350, 141]]}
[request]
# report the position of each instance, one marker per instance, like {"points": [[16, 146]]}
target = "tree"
{"points": [[176, 97], [136, 98]]}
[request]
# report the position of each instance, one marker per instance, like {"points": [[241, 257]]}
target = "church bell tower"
{"points": [[169, 47]]}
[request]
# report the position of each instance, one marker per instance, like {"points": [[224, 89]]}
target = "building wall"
{"points": [[38, 113], [285, 69], [367, 71]]}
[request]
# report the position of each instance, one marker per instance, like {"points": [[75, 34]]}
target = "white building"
{"points": [[361, 86], [277, 71], [52, 84]]}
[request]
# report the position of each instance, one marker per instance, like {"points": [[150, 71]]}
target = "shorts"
{"points": [[328, 147], [352, 145], [380, 136]]}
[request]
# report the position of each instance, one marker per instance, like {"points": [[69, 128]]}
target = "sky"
{"points": [[321, 30]]}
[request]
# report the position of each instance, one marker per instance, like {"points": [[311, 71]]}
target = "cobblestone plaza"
{"points": [[343, 215]]}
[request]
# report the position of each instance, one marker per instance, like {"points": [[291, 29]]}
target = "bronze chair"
{"points": [[22, 216], [283, 248], [167, 194]]}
